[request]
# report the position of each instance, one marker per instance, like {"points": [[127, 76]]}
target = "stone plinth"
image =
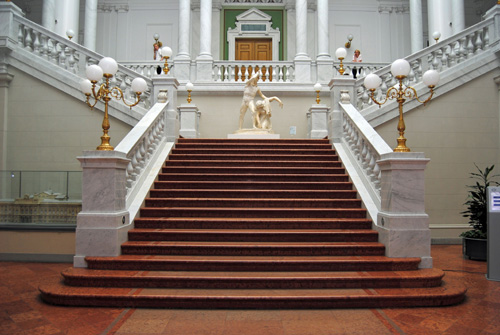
{"points": [[402, 222], [103, 223], [317, 119]]}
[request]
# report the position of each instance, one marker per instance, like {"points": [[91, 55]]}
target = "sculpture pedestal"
{"points": [[253, 134]]}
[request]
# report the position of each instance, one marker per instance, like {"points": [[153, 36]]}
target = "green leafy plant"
{"points": [[476, 203]]}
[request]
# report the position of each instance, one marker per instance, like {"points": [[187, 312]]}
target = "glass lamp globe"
{"points": [[86, 86], [70, 33], [166, 52], [139, 85], [340, 53], [430, 78], [108, 65], [350, 37], [372, 81], [189, 86], [400, 68], [317, 87], [156, 36], [436, 35], [94, 72]]}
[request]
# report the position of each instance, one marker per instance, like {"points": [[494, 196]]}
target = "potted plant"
{"points": [[474, 241]]}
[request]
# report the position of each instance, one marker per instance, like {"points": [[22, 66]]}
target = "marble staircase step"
{"points": [[451, 292], [274, 177], [231, 170], [255, 163], [253, 185], [252, 223], [207, 212], [238, 156], [252, 263], [224, 203], [251, 280], [253, 235], [255, 194], [253, 249]]}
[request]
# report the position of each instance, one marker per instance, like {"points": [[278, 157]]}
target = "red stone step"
{"points": [[251, 280], [237, 156], [252, 223], [253, 235], [256, 163], [253, 249], [254, 145], [251, 203], [276, 177], [204, 212], [249, 170], [256, 194], [452, 292], [217, 141], [252, 263], [254, 151], [253, 185]]}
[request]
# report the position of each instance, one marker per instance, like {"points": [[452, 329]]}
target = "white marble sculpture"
{"points": [[261, 110]]}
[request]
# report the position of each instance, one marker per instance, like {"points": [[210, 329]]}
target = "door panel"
{"points": [[253, 49]]}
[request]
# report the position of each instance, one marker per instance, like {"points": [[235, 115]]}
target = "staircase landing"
{"points": [[253, 224]]}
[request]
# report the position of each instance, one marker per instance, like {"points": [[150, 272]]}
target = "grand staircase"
{"points": [[254, 224]]}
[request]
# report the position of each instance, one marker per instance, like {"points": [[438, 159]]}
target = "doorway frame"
{"points": [[253, 23]]}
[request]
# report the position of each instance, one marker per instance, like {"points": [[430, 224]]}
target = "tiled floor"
{"points": [[22, 311]]}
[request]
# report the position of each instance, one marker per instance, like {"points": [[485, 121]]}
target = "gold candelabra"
{"points": [[400, 70], [166, 53], [341, 53], [317, 88], [349, 40], [107, 68], [189, 89]]}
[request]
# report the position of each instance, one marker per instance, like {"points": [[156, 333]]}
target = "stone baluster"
{"points": [[479, 43], [37, 44], [444, 58], [486, 38], [28, 40], [470, 45]]}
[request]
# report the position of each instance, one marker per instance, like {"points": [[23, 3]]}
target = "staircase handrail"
{"points": [[73, 57], [364, 146], [145, 147], [441, 56]]}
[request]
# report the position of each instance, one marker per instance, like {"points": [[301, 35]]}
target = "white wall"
{"points": [[47, 129], [455, 132]]}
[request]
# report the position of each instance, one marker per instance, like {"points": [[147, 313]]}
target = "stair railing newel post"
{"points": [[104, 221], [165, 84]]}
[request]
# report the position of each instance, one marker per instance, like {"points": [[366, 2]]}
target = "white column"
{"points": [[458, 16], [323, 31], [184, 28], [301, 29], [205, 29], [439, 15], [90, 30], [48, 14], [416, 27], [67, 16]]}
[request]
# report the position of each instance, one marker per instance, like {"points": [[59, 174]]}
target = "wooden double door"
{"points": [[254, 49]]}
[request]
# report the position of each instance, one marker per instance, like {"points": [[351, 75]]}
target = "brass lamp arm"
{"points": [[117, 93], [392, 93], [413, 94]]}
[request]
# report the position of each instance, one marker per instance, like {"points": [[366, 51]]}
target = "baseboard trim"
{"points": [[39, 258], [452, 240]]}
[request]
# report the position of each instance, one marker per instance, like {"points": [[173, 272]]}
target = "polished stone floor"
{"points": [[22, 311]]}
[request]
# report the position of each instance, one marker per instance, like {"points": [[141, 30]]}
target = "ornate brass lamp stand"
{"points": [[107, 67], [400, 69]]}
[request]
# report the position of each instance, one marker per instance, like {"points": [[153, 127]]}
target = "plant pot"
{"points": [[474, 248]]}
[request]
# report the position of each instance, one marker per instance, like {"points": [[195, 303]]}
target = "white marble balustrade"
{"points": [[442, 56], [229, 71], [72, 57]]}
